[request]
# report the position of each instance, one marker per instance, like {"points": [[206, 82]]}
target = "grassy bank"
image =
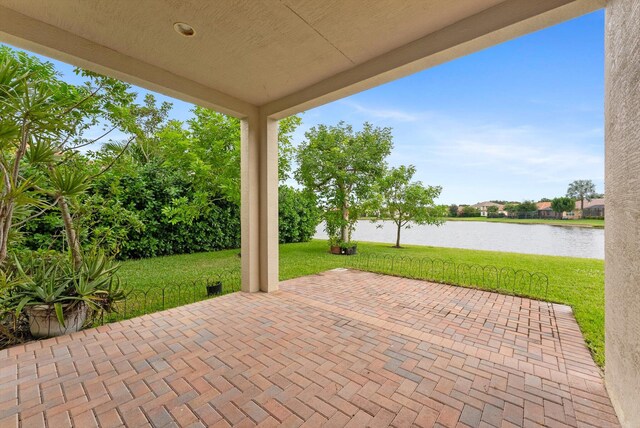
{"points": [[552, 222], [572, 281]]}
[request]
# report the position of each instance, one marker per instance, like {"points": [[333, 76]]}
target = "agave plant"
{"points": [[55, 282]]}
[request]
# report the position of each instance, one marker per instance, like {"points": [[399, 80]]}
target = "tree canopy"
{"points": [[562, 204], [405, 202], [341, 167], [581, 190]]}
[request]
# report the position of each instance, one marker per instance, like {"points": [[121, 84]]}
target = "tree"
{"points": [[581, 190], [511, 207], [341, 167], [493, 209], [453, 210], [43, 122], [527, 206], [406, 202], [562, 204], [207, 151], [469, 211]]}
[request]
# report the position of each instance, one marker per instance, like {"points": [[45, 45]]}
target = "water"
{"points": [[475, 235]]}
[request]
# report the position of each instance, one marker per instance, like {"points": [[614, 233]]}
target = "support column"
{"points": [[622, 233], [259, 203]]}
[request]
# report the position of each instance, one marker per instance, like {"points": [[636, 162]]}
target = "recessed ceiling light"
{"points": [[184, 29]]}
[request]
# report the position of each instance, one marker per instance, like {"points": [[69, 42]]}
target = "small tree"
{"points": [[562, 204], [493, 210], [341, 167], [469, 211], [527, 206], [453, 210], [406, 202], [581, 190], [511, 208]]}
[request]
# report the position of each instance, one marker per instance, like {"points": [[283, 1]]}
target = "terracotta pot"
{"points": [[43, 321], [335, 249]]}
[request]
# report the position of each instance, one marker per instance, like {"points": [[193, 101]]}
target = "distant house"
{"points": [[545, 211], [483, 207], [592, 208]]}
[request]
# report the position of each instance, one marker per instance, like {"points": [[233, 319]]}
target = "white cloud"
{"points": [[380, 113], [487, 160]]}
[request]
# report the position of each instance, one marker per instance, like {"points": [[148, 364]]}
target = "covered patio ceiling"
{"points": [[281, 55]]}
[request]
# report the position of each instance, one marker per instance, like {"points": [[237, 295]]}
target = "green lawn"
{"points": [[568, 223], [573, 281]]}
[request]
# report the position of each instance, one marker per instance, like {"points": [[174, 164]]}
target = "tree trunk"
{"points": [[70, 230], [344, 229], [398, 235], [11, 177], [581, 204], [5, 226]]}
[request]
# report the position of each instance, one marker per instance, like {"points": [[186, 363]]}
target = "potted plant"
{"points": [[334, 246], [337, 246], [58, 298], [214, 287], [348, 248]]}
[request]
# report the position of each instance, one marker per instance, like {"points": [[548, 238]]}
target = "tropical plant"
{"points": [[43, 123], [581, 190], [54, 281]]}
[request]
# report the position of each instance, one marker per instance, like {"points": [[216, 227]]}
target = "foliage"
{"points": [[562, 204], [595, 223], [527, 206], [453, 210], [54, 280], [141, 227], [581, 190], [511, 207], [405, 201], [43, 122], [469, 211], [298, 215], [493, 209], [341, 167]]}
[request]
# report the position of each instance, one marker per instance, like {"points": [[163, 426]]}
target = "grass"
{"points": [[551, 222], [572, 281]]}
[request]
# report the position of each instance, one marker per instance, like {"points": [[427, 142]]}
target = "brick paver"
{"points": [[343, 348]]}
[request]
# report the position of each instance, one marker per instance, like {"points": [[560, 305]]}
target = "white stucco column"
{"points": [[622, 232], [259, 203]]}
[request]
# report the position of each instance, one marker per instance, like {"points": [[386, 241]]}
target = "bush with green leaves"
{"points": [[298, 215]]}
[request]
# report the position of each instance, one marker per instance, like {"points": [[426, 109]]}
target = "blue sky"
{"points": [[516, 121]]}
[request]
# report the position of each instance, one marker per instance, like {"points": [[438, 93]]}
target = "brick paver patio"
{"points": [[344, 348]]}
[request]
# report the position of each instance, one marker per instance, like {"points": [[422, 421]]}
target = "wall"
{"points": [[622, 233]]}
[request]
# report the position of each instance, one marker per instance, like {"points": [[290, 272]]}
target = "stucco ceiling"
{"points": [[256, 51]]}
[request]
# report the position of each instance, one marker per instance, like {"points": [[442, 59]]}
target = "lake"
{"points": [[475, 235]]}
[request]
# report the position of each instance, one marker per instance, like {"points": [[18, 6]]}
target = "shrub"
{"points": [[298, 215]]}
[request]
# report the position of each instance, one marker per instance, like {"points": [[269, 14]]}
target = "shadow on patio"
{"points": [[344, 347]]}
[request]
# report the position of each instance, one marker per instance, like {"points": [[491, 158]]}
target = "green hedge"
{"points": [[123, 213]]}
